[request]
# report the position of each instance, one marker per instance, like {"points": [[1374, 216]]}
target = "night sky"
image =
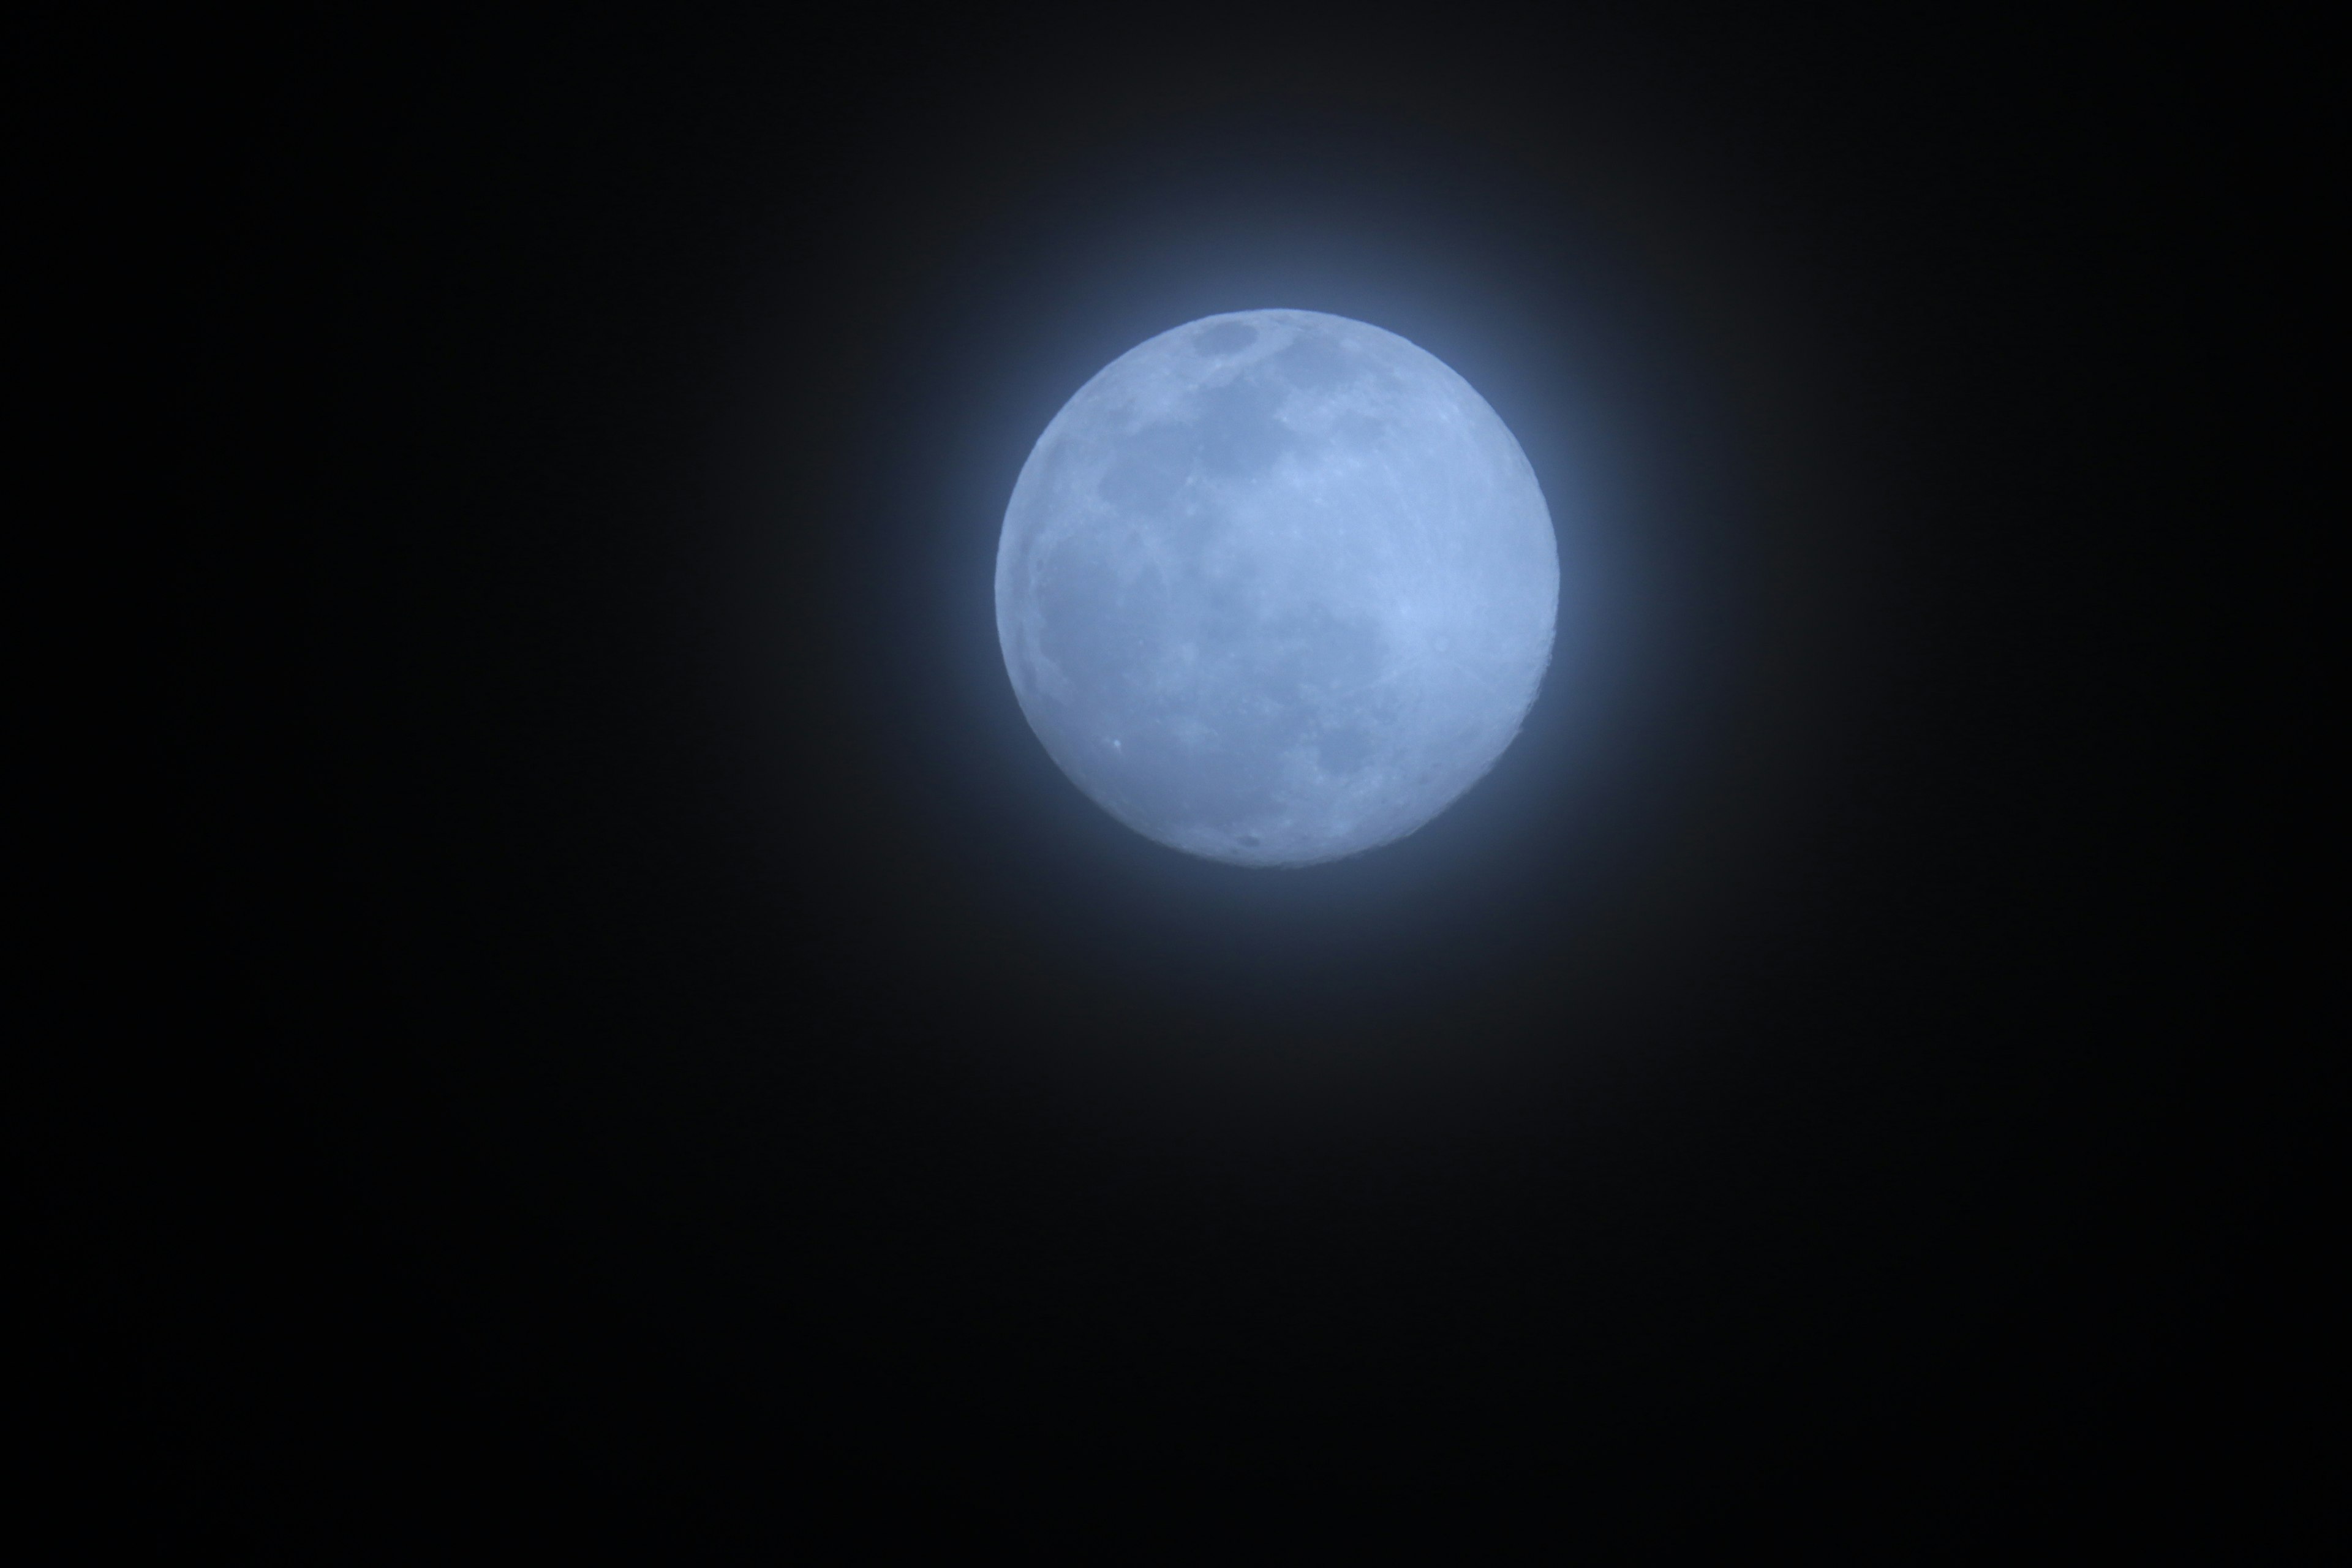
{"points": [[647, 1042]]}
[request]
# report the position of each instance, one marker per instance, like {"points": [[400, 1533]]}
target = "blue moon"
{"points": [[1277, 587]]}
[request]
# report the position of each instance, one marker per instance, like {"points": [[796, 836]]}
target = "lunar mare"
{"points": [[1277, 587]]}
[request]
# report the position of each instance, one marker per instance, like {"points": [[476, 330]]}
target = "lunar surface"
{"points": [[1277, 587]]}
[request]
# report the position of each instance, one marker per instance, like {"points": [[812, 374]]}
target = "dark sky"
{"points": [[650, 1043]]}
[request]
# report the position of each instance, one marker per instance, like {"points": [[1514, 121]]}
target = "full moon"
{"points": [[1277, 587]]}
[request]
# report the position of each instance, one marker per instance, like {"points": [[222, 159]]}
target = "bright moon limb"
{"points": [[1277, 587]]}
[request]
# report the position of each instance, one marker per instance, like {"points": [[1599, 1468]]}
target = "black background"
{"points": [[647, 1042]]}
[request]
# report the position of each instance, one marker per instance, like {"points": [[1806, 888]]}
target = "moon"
{"points": [[1277, 587]]}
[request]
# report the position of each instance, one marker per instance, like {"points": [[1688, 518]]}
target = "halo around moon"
{"points": [[1277, 587]]}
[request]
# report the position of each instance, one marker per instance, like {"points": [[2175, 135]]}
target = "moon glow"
{"points": [[1277, 587]]}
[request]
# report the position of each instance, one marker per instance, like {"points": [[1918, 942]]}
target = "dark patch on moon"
{"points": [[1343, 751], [1316, 360], [1239, 435], [1225, 338], [1152, 469], [1231, 435]]}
